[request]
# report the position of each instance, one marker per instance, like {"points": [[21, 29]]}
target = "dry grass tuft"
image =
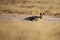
{"points": [[22, 30]]}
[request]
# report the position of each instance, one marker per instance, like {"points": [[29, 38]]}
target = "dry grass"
{"points": [[22, 30], [39, 30], [51, 7]]}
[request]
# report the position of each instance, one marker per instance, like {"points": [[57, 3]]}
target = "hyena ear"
{"points": [[40, 13], [43, 13]]}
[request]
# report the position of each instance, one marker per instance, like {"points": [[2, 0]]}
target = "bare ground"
{"points": [[14, 17]]}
